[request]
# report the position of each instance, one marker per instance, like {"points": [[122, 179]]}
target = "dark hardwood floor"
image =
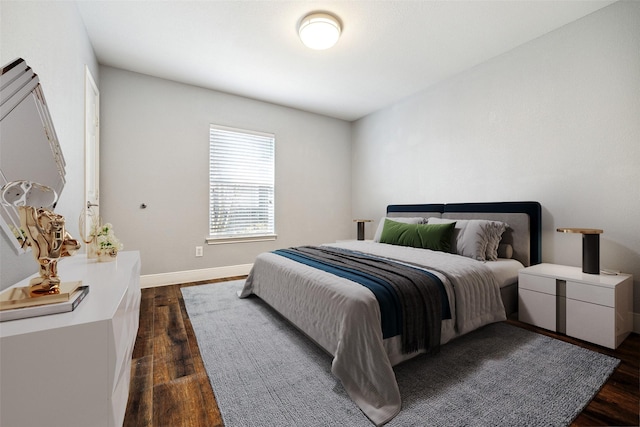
{"points": [[170, 387]]}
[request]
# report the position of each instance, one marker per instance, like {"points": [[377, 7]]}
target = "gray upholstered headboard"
{"points": [[524, 233]]}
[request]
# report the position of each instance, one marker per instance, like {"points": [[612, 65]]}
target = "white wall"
{"points": [[51, 38], [556, 120], [154, 150]]}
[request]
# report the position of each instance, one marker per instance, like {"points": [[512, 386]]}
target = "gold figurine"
{"points": [[49, 241], [43, 230]]}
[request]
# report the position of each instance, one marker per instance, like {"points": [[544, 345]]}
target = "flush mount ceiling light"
{"points": [[319, 30]]}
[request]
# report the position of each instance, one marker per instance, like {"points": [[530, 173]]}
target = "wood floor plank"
{"points": [[171, 353], [144, 337], [180, 403], [198, 363], [139, 411], [170, 387], [166, 295], [211, 406]]}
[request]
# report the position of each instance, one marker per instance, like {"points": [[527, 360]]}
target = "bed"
{"points": [[350, 320]]}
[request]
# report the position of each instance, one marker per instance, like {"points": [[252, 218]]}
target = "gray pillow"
{"points": [[474, 238]]}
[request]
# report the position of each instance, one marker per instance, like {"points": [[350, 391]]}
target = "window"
{"points": [[241, 185]]}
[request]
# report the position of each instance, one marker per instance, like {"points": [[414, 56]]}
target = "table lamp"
{"points": [[361, 227], [590, 248]]}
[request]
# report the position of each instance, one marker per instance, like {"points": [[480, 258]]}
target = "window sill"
{"points": [[247, 239]]}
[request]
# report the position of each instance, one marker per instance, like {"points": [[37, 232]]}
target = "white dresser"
{"points": [[592, 307], [73, 369]]}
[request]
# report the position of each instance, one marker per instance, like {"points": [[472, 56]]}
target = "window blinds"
{"points": [[241, 184]]}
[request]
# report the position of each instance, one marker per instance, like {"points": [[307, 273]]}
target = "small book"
{"points": [[41, 310], [19, 297]]}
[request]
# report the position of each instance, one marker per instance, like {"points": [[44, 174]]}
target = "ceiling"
{"points": [[388, 49]]}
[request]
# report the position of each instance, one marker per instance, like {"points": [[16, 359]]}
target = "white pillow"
{"points": [[474, 238], [402, 219]]}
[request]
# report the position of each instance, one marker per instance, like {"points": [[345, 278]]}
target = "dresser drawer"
{"points": [[592, 294], [542, 284]]}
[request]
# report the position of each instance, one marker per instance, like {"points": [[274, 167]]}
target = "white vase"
{"points": [[92, 250], [106, 255]]}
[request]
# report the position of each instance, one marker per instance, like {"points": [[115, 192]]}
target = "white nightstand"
{"points": [[592, 307]]}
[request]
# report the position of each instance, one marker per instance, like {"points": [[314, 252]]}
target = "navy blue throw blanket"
{"points": [[413, 302]]}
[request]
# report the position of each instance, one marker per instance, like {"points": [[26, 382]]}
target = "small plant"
{"points": [[105, 238]]}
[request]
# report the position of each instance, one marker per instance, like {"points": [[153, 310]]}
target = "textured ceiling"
{"points": [[388, 49]]}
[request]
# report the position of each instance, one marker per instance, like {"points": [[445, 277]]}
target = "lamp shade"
{"points": [[319, 31]]}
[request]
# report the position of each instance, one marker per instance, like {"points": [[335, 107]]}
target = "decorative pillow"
{"points": [[405, 220], [474, 238], [494, 230], [505, 250], [436, 237]]}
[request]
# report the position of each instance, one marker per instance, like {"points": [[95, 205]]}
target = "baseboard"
{"points": [[173, 278]]}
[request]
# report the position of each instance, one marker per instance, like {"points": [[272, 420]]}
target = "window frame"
{"points": [[267, 234]]}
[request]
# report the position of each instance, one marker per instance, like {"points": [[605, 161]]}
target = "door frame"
{"points": [[91, 152]]}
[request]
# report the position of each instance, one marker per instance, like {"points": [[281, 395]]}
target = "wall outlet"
{"points": [[198, 250]]}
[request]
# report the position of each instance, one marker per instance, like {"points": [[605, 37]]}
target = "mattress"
{"points": [[505, 271]]}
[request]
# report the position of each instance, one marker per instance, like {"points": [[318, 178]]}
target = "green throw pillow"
{"points": [[436, 237]]}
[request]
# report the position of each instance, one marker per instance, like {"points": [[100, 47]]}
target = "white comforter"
{"points": [[343, 317]]}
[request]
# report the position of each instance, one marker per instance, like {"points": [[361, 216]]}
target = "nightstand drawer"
{"points": [[537, 308], [591, 322], [545, 285], [591, 294]]}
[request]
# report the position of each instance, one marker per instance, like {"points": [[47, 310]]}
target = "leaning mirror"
{"points": [[29, 148]]}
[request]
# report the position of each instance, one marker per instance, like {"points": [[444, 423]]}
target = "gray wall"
{"points": [[556, 120], [51, 38], [154, 150]]}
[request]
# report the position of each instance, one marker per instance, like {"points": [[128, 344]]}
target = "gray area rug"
{"points": [[264, 372]]}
